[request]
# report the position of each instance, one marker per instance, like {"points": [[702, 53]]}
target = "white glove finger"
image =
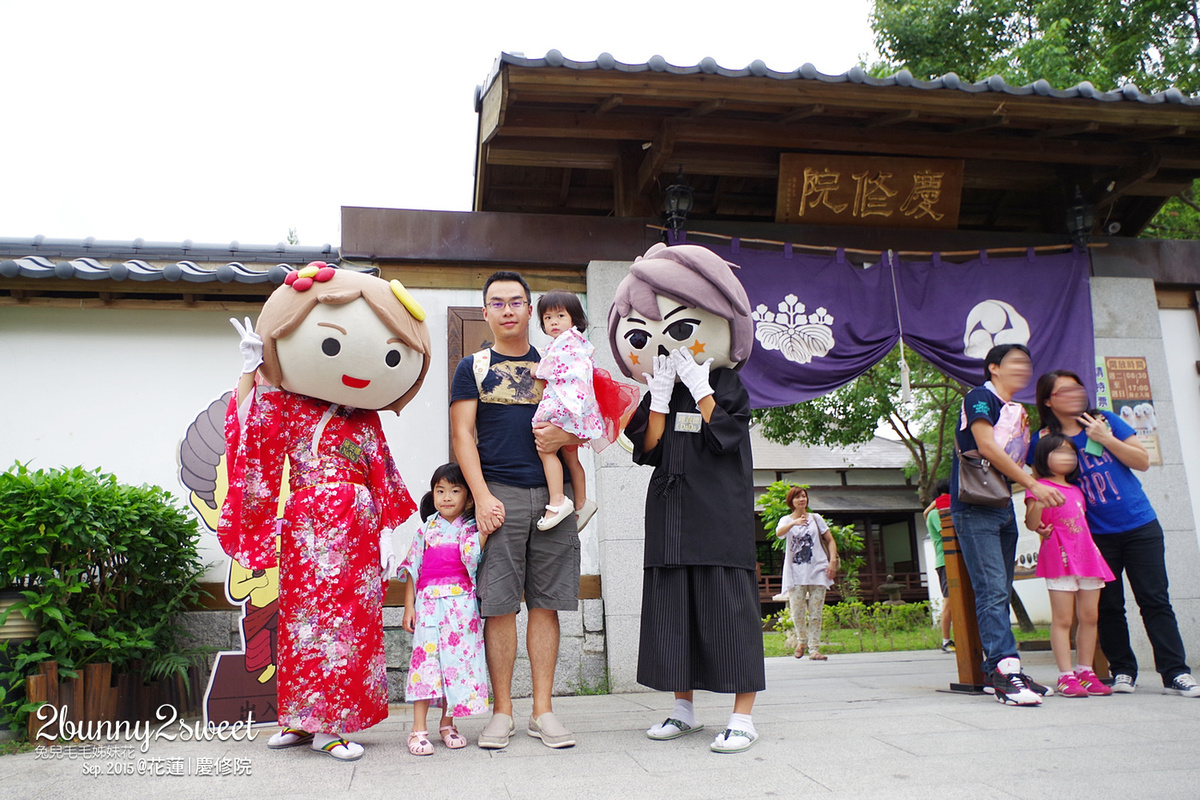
{"points": [[238, 326]]}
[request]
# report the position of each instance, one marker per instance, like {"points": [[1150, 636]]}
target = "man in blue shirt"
{"points": [[492, 401]]}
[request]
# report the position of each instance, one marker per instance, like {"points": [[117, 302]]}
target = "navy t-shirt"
{"points": [[980, 403], [504, 417], [1116, 501]]}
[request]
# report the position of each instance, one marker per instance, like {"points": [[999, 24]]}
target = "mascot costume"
{"points": [[333, 346], [680, 323]]}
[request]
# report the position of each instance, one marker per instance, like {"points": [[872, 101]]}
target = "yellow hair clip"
{"points": [[410, 302]]}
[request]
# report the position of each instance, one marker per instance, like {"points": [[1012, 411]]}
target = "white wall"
{"points": [[1182, 335], [117, 389]]}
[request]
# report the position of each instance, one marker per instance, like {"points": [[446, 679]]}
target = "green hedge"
{"points": [[104, 570]]}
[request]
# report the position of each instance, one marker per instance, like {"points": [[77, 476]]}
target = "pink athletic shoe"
{"points": [[1069, 686], [1089, 681]]}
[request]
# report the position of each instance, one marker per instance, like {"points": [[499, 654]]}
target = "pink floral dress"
{"points": [[447, 656], [1069, 549], [569, 399], [332, 675]]}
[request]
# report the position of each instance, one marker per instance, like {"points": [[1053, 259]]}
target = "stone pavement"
{"points": [[857, 726]]}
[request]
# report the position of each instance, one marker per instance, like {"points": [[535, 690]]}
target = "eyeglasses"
{"points": [[1069, 390], [498, 305]]}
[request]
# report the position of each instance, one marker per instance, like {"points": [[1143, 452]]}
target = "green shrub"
{"points": [[104, 570]]}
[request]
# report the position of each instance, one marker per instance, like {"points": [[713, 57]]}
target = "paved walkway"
{"points": [[857, 726]]}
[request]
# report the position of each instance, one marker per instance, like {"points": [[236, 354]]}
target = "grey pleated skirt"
{"points": [[701, 630]]}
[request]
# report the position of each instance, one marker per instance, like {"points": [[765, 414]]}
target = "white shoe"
{"points": [[1124, 684], [561, 510], [1183, 685], [585, 514]]}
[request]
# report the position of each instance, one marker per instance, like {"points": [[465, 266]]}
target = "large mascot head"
{"points": [[344, 337], [679, 296]]}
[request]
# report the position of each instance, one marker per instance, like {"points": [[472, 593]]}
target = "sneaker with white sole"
{"points": [[1124, 684], [1010, 687], [1183, 685]]}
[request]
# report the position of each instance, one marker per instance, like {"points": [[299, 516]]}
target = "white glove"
{"points": [[661, 384], [693, 375], [251, 345], [387, 554]]}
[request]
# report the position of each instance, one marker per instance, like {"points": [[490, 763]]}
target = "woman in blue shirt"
{"points": [[1125, 528]]}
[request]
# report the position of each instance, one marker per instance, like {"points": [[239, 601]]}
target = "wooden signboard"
{"points": [[869, 190]]}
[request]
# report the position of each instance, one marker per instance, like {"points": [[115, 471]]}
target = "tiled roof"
{"points": [[81, 259], [808, 72], [879, 453]]}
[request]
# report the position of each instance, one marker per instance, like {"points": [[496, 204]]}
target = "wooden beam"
{"points": [[492, 109], [1155, 133], [889, 120], [804, 112], [627, 201], [656, 157], [998, 121], [683, 91], [815, 137], [560, 153], [608, 105], [704, 109], [1146, 167], [1067, 130], [564, 188]]}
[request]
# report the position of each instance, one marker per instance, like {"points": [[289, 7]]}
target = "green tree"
{"points": [[1154, 44], [852, 414]]}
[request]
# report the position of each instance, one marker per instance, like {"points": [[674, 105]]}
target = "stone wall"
{"points": [[581, 653]]}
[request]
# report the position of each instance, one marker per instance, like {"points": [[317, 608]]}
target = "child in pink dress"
{"points": [[577, 397], [1069, 560], [448, 667]]}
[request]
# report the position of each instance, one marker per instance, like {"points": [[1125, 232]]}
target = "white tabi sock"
{"points": [[741, 722]]}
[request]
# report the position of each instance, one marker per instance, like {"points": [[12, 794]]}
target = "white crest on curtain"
{"points": [[799, 336], [990, 323]]}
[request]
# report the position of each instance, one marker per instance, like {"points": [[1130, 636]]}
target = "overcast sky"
{"points": [[225, 121]]}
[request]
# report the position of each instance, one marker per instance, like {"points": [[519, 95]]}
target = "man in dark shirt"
{"points": [[492, 402]]}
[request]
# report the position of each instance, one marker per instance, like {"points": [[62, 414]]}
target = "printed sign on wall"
{"points": [[1123, 387]]}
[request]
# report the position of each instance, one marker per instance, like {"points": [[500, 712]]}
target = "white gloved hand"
{"points": [[661, 384], [251, 345], [387, 554], [693, 375]]}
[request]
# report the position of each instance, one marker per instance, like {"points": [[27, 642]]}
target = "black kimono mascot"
{"points": [[680, 323]]}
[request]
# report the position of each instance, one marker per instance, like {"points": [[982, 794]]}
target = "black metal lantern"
{"points": [[679, 203]]}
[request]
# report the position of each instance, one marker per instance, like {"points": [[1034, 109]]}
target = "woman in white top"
{"points": [[810, 563]]}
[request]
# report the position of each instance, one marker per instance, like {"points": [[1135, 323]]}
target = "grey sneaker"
{"points": [[552, 732], [497, 732], [1124, 684], [1183, 685]]}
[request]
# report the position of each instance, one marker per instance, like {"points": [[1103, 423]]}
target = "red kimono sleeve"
{"points": [[383, 479], [254, 453]]}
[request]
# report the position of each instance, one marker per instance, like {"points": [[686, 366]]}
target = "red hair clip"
{"points": [[302, 280]]}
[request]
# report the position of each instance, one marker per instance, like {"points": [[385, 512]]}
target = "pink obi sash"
{"points": [[442, 565]]}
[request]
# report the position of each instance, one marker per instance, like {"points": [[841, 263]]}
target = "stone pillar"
{"points": [[621, 494], [1126, 321]]}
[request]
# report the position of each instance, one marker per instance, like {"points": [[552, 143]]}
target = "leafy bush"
{"points": [[103, 568], [869, 622]]}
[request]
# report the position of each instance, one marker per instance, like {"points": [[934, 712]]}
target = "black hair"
{"points": [[941, 487], [997, 354], [505, 275], [1045, 390], [452, 474], [559, 300], [1046, 445]]}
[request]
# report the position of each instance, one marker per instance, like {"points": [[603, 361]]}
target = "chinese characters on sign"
{"points": [[869, 190], [1123, 387]]}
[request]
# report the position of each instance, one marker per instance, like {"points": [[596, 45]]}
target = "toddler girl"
{"points": [[1069, 560], [441, 612], [577, 397]]}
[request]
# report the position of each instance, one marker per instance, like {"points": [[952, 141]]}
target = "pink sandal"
{"points": [[451, 737], [419, 744]]}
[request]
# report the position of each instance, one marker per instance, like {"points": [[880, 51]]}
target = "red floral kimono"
{"points": [[332, 675]]}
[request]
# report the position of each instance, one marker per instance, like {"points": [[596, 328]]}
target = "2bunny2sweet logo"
{"points": [[799, 336]]}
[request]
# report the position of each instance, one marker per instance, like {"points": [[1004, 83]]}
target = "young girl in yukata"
{"points": [[577, 397], [440, 610], [1069, 560]]}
